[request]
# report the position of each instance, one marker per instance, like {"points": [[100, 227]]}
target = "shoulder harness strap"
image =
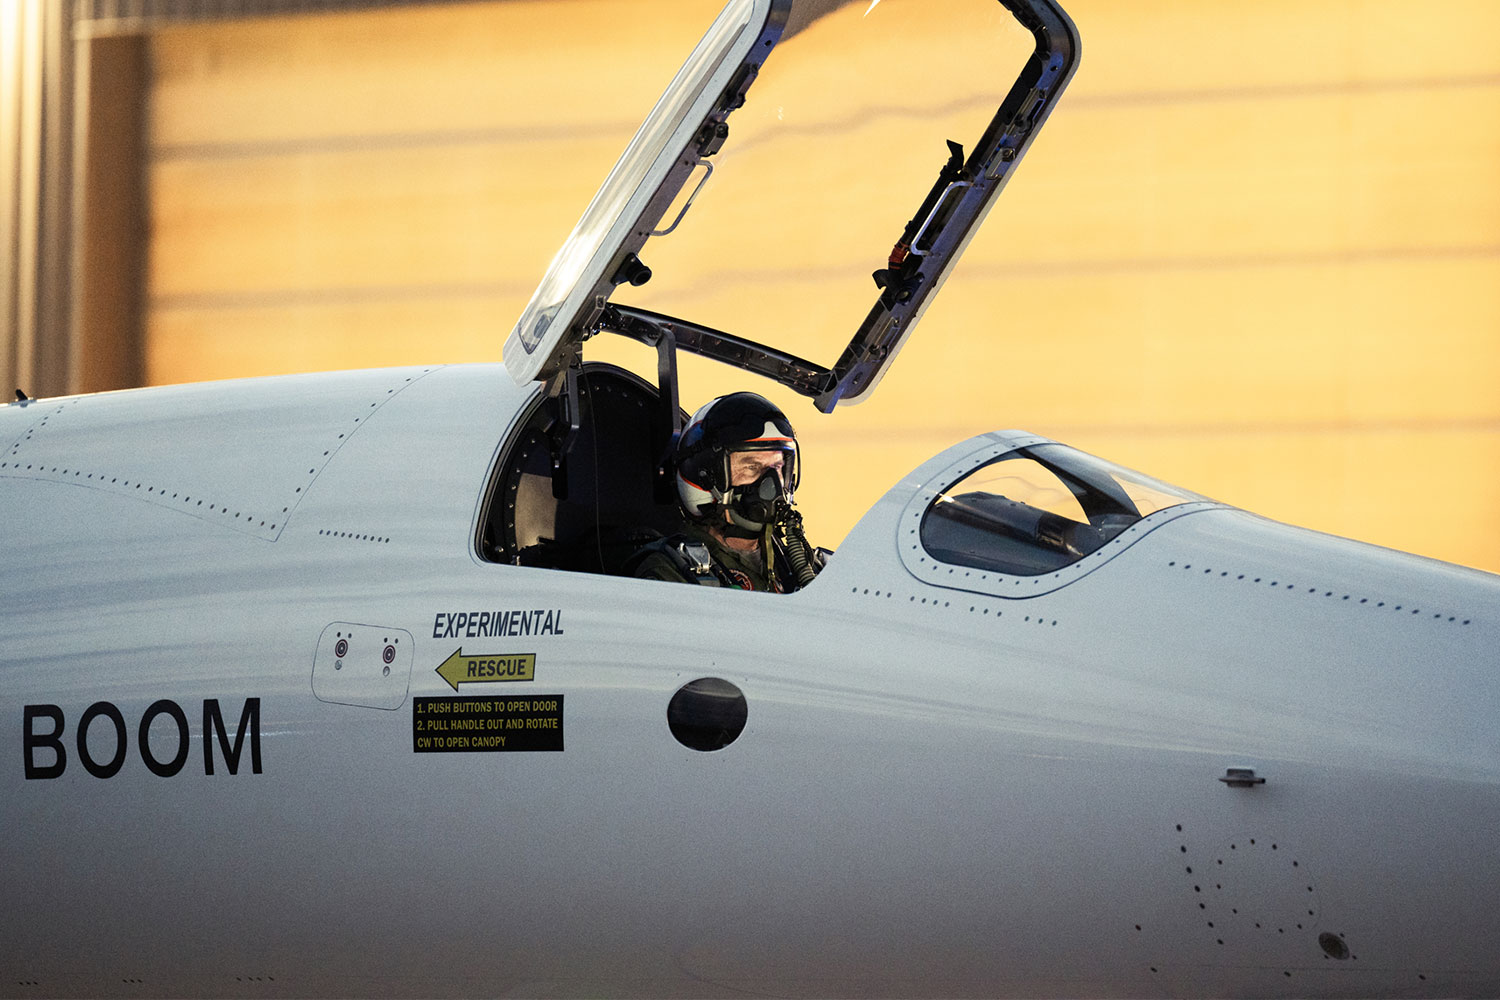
{"points": [[694, 560], [690, 558]]}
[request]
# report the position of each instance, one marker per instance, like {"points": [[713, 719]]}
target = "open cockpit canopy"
{"points": [[641, 199]]}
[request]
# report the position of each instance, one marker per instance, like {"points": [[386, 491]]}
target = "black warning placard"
{"points": [[479, 725]]}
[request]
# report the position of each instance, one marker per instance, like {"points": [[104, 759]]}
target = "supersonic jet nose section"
{"points": [[687, 127]]}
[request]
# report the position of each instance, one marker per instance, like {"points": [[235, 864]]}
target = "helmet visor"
{"points": [[749, 460]]}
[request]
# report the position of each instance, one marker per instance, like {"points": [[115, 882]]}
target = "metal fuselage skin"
{"points": [[942, 788]]}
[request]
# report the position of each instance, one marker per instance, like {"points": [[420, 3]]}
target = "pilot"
{"points": [[736, 475]]}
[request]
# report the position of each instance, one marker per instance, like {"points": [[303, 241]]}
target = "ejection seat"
{"points": [[602, 504]]}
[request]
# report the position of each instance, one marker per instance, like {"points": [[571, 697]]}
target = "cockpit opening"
{"points": [[596, 481], [610, 505]]}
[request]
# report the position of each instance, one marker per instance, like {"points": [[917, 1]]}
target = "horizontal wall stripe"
{"points": [[207, 152], [712, 282], [325, 297], [854, 119]]}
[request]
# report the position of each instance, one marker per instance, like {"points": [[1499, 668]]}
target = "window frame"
{"points": [[928, 568]]}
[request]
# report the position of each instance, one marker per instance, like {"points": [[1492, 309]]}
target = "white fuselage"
{"points": [[942, 788]]}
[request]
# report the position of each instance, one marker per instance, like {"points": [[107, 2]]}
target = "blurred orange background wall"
{"points": [[1255, 251]]}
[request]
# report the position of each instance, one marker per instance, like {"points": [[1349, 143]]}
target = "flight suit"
{"points": [[677, 559]]}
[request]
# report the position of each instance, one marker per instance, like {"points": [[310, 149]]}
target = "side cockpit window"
{"points": [[1035, 510]]}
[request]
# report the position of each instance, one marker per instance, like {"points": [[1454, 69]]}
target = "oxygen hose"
{"points": [[795, 542]]}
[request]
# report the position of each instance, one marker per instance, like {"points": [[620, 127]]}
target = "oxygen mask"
{"points": [[752, 506]]}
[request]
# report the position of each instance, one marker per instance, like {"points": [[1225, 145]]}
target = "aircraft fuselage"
{"points": [[939, 789]]}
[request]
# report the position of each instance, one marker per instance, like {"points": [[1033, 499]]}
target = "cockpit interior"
{"points": [[582, 497]]}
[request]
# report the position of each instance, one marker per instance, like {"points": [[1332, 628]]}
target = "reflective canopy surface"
{"points": [[641, 170], [1035, 510]]}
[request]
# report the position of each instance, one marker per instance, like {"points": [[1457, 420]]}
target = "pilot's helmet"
{"points": [[739, 422]]}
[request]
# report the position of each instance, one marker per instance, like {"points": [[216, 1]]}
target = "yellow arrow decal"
{"points": [[487, 668]]}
